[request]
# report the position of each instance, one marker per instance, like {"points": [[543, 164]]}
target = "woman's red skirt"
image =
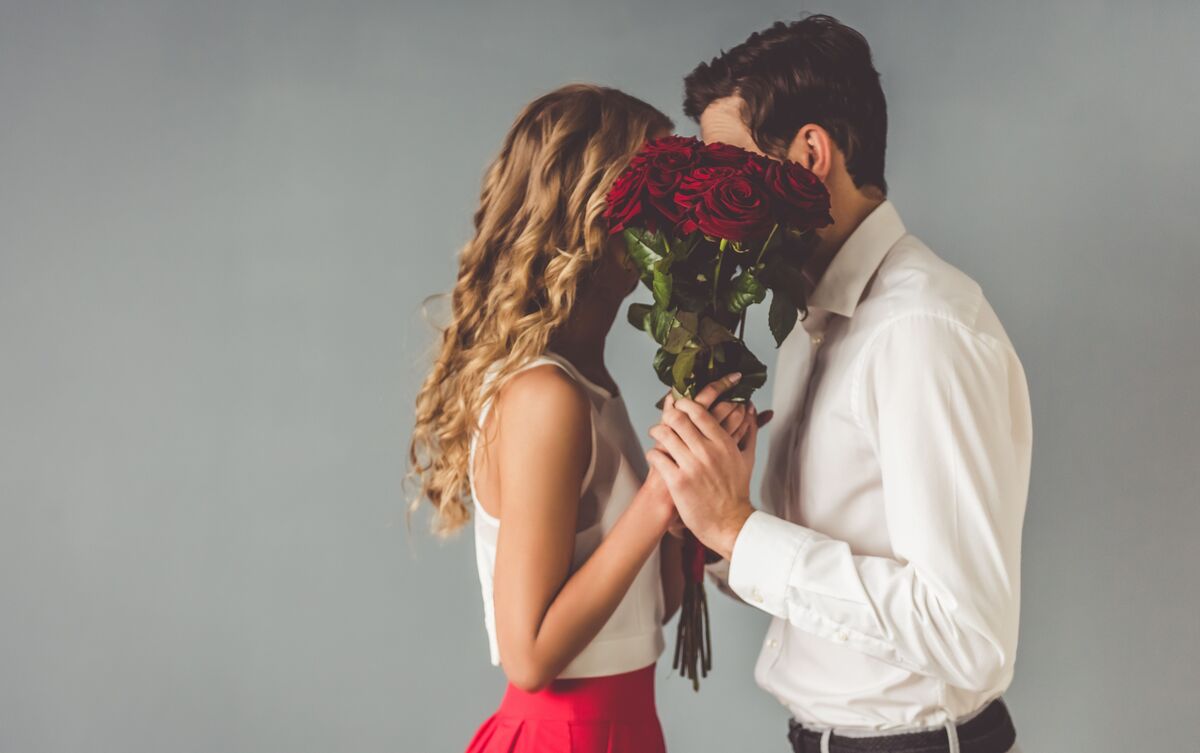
{"points": [[613, 714]]}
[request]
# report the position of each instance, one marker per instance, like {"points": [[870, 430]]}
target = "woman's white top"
{"points": [[632, 638]]}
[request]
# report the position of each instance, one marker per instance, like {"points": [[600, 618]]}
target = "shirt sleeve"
{"points": [[718, 573], [947, 410]]}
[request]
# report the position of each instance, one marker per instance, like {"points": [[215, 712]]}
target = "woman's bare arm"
{"points": [[542, 446]]}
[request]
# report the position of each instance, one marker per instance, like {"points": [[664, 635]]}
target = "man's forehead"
{"points": [[722, 121]]}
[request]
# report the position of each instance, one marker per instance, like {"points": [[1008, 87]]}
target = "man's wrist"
{"points": [[725, 535]]}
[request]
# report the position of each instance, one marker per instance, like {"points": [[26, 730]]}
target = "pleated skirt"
{"points": [[614, 714]]}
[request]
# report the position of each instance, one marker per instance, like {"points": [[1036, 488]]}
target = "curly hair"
{"points": [[539, 233]]}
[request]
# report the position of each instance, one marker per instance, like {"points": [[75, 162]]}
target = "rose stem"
{"points": [[717, 275], [766, 243]]}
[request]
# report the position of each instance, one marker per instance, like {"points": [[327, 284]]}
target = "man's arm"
{"points": [[717, 569], [948, 412]]}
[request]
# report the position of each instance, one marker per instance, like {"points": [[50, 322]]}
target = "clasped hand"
{"points": [[705, 458]]}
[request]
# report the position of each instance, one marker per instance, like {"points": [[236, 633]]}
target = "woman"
{"points": [[520, 420]]}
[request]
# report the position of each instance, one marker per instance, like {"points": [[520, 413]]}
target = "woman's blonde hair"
{"points": [[539, 232]]}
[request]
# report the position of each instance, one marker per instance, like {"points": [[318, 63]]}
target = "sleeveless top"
{"points": [[632, 638]]}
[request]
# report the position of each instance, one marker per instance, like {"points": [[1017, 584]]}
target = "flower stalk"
{"points": [[680, 206]]}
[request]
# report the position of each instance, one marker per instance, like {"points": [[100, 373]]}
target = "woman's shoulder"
{"points": [[545, 390], [544, 422]]}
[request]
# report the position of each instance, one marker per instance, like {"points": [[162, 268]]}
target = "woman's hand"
{"points": [[732, 416], [740, 420]]}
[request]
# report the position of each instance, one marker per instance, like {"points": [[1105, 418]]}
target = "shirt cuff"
{"points": [[718, 569], [764, 554]]}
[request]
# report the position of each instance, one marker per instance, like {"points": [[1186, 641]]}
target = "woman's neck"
{"points": [[588, 357], [582, 338]]}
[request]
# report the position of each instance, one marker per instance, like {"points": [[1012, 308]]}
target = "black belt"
{"points": [[989, 731]]}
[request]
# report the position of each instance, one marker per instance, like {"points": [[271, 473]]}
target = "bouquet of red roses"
{"points": [[712, 228]]}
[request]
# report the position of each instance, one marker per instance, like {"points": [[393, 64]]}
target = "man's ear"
{"points": [[813, 148]]}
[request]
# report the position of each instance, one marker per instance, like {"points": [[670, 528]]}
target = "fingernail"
{"points": [[735, 377]]}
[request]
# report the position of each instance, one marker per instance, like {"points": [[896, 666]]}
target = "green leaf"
{"points": [[781, 317], [784, 273], [663, 361], [661, 286], [682, 369], [659, 323], [689, 321], [754, 371], [637, 314], [746, 290], [677, 340], [645, 248], [712, 332]]}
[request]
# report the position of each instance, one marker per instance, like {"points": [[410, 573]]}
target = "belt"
{"points": [[989, 731]]}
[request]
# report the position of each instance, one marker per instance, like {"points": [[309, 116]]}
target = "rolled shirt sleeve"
{"points": [[947, 411]]}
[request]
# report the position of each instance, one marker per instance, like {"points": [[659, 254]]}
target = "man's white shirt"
{"points": [[888, 544]]}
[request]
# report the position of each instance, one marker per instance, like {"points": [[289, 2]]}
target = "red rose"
{"points": [[667, 160], [692, 188], [717, 154], [670, 144], [724, 202], [799, 196], [758, 163], [644, 195], [628, 199]]}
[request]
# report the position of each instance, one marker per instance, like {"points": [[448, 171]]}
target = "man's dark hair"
{"points": [[816, 70]]}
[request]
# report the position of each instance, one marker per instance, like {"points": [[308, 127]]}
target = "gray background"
{"points": [[218, 220]]}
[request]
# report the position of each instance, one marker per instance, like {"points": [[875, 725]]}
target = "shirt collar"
{"points": [[842, 286]]}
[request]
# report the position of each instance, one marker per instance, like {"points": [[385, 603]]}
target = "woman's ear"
{"points": [[813, 148]]}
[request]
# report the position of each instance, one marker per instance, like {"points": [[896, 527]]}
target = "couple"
{"points": [[886, 540]]}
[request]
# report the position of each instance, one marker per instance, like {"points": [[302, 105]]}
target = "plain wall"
{"points": [[218, 221]]}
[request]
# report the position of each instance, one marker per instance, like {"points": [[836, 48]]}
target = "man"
{"points": [[887, 547]]}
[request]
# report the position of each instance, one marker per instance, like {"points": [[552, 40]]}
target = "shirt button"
{"points": [[757, 596], [772, 643], [841, 636]]}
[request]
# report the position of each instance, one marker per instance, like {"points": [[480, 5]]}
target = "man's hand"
{"points": [[735, 417], [706, 469]]}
